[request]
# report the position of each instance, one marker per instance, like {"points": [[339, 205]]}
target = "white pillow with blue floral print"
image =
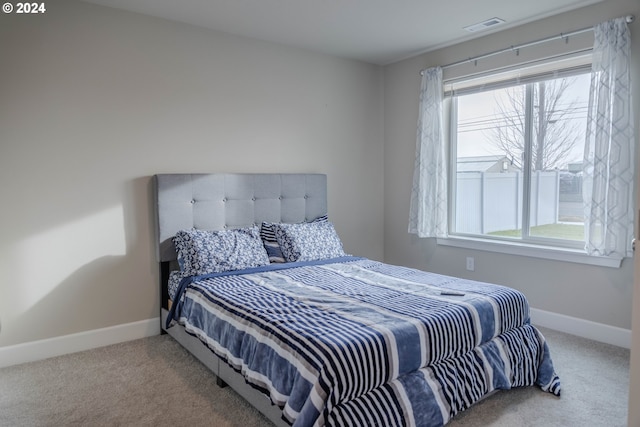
{"points": [[308, 241], [203, 252], [175, 277], [268, 235]]}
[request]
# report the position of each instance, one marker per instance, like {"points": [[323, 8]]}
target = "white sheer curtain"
{"points": [[608, 169], [428, 210]]}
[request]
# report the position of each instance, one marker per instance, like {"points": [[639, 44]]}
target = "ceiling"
{"points": [[375, 31]]}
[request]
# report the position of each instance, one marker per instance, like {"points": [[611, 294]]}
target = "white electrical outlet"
{"points": [[470, 263]]}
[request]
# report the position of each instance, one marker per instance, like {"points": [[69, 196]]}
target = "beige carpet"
{"points": [[154, 382]]}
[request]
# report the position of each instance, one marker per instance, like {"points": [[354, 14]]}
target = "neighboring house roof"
{"points": [[497, 163]]}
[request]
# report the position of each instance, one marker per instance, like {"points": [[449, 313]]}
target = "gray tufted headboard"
{"points": [[218, 201]]}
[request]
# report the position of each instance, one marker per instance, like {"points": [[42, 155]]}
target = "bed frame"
{"points": [[217, 202]]}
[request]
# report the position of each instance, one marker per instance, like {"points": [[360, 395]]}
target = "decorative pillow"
{"points": [[308, 241], [268, 236], [202, 252]]}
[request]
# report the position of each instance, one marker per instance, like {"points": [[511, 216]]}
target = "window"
{"points": [[517, 145]]}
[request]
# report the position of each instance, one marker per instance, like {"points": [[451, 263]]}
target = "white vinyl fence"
{"points": [[489, 201]]}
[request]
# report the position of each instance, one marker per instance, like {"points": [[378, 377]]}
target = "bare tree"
{"points": [[554, 135]]}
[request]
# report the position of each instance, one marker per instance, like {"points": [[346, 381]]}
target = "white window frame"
{"points": [[546, 248]]}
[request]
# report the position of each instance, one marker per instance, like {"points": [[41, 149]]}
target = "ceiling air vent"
{"points": [[481, 26]]}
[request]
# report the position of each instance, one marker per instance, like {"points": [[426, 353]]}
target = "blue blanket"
{"points": [[358, 342]]}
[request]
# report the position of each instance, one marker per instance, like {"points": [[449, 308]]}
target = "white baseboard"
{"points": [[51, 347], [582, 328], [43, 349]]}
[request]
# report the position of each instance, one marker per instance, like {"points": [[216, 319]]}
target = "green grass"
{"points": [[556, 231]]}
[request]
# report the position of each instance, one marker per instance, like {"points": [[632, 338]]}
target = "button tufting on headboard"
{"points": [[218, 201]]}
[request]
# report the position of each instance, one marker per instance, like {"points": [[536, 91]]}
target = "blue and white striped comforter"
{"points": [[356, 342]]}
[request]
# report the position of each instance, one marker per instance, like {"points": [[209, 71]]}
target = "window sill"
{"points": [[521, 249]]}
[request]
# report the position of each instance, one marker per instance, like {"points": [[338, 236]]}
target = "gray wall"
{"points": [[598, 294], [93, 101]]}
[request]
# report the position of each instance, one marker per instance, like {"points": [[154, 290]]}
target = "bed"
{"points": [[255, 283]]}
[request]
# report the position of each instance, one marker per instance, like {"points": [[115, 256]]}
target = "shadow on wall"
{"points": [[94, 272]]}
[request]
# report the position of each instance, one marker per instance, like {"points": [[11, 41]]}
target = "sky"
{"points": [[477, 113]]}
